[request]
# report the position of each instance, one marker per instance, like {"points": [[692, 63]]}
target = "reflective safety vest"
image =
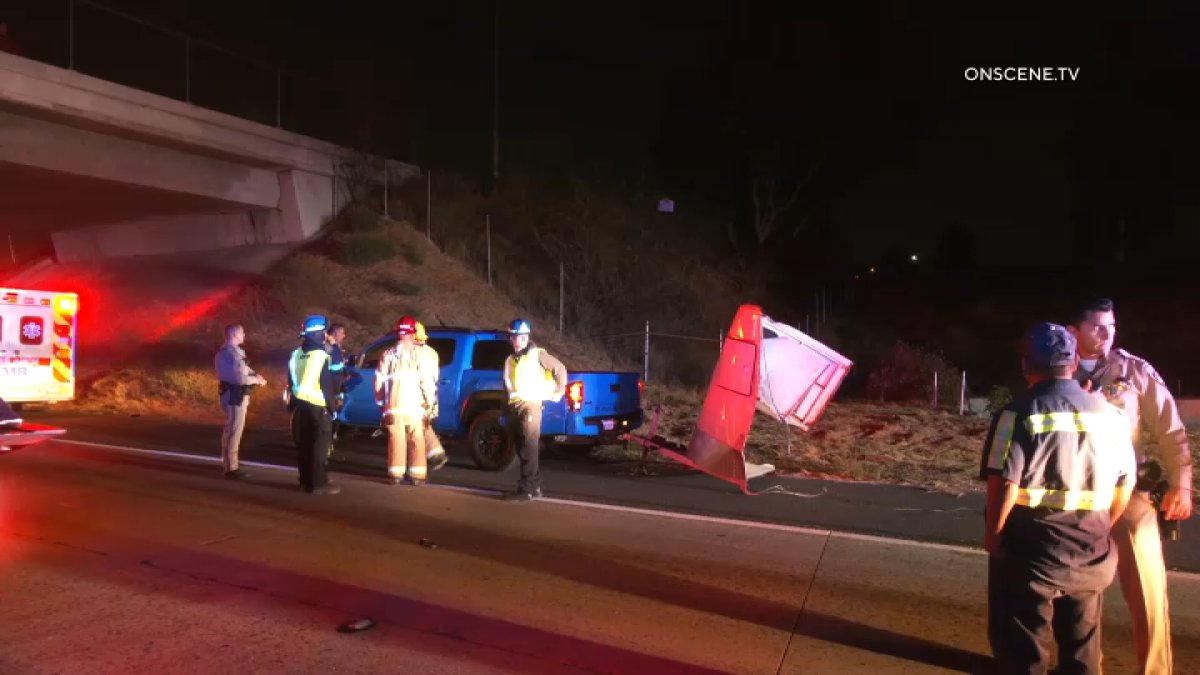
{"points": [[1069, 459], [527, 379], [306, 368]]}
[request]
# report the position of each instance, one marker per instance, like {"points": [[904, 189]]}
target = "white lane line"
{"points": [[177, 455], [778, 527], [717, 520], [258, 465]]}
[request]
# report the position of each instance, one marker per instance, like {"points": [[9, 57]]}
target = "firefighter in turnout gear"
{"points": [[406, 393], [1060, 471], [315, 390], [435, 454], [1132, 384], [531, 376]]}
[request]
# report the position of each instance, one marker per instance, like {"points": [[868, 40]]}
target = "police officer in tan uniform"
{"points": [[236, 379], [1133, 385]]}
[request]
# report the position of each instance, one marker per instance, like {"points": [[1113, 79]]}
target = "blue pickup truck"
{"points": [[599, 406]]}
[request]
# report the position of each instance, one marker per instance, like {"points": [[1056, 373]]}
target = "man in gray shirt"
{"points": [[236, 379]]}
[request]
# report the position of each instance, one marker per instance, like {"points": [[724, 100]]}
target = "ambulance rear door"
{"points": [[37, 345]]}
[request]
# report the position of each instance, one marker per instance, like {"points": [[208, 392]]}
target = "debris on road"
{"points": [[357, 625]]}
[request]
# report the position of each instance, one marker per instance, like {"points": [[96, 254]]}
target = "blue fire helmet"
{"points": [[519, 327], [314, 323]]}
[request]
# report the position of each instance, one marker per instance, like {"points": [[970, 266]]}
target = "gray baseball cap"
{"points": [[1048, 345]]}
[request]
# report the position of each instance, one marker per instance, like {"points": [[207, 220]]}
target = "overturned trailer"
{"points": [[764, 365]]}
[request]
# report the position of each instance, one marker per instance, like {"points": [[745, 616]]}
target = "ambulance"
{"points": [[37, 345]]}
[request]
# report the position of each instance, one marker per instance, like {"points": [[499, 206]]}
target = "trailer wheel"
{"points": [[491, 444]]}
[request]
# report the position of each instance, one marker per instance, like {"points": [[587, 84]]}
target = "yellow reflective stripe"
{"points": [[1065, 500], [309, 387], [1002, 440], [1068, 421]]}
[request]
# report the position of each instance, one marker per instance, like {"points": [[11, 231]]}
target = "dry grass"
{"points": [[853, 440], [420, 280]]}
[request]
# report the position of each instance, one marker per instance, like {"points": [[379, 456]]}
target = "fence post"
{"points": [[935, 389], [646, 356], [428, 204], [962, 395], [487, 220], [387, 178], [187, 69]]}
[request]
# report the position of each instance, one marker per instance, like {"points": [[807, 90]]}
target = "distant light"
{"points": [[666, 205], [913, 257], [872, 270]]}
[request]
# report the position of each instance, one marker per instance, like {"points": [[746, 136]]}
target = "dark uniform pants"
{"points": [[315, 429], [1034, 614], [525, 427]]}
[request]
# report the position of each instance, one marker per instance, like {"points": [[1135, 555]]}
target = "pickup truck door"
{"points": [[449, 372], [360, 408]]}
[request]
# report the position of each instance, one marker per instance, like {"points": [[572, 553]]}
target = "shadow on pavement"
{"points": [[354, 601], [575, 561]]}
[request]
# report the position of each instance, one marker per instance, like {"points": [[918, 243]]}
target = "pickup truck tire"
{"points": [[491, 445]]}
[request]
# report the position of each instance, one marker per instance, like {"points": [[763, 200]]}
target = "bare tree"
{"points": [[360, 171], [770, 204]]}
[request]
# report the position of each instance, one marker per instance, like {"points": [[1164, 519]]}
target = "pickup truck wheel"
{"points": [[491, 445]]}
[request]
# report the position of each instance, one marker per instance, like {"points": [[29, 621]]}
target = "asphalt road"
{"points": [[884, 510], [113, 561]]}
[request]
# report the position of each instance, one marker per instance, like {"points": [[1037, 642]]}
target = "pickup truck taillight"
{"points": [[575, 396], [641, 387]]}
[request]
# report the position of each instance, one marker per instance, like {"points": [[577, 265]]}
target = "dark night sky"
{"points": [[683, 96]]}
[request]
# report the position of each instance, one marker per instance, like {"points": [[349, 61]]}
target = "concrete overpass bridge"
{"points": [[111, 171], [154, 210]]}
